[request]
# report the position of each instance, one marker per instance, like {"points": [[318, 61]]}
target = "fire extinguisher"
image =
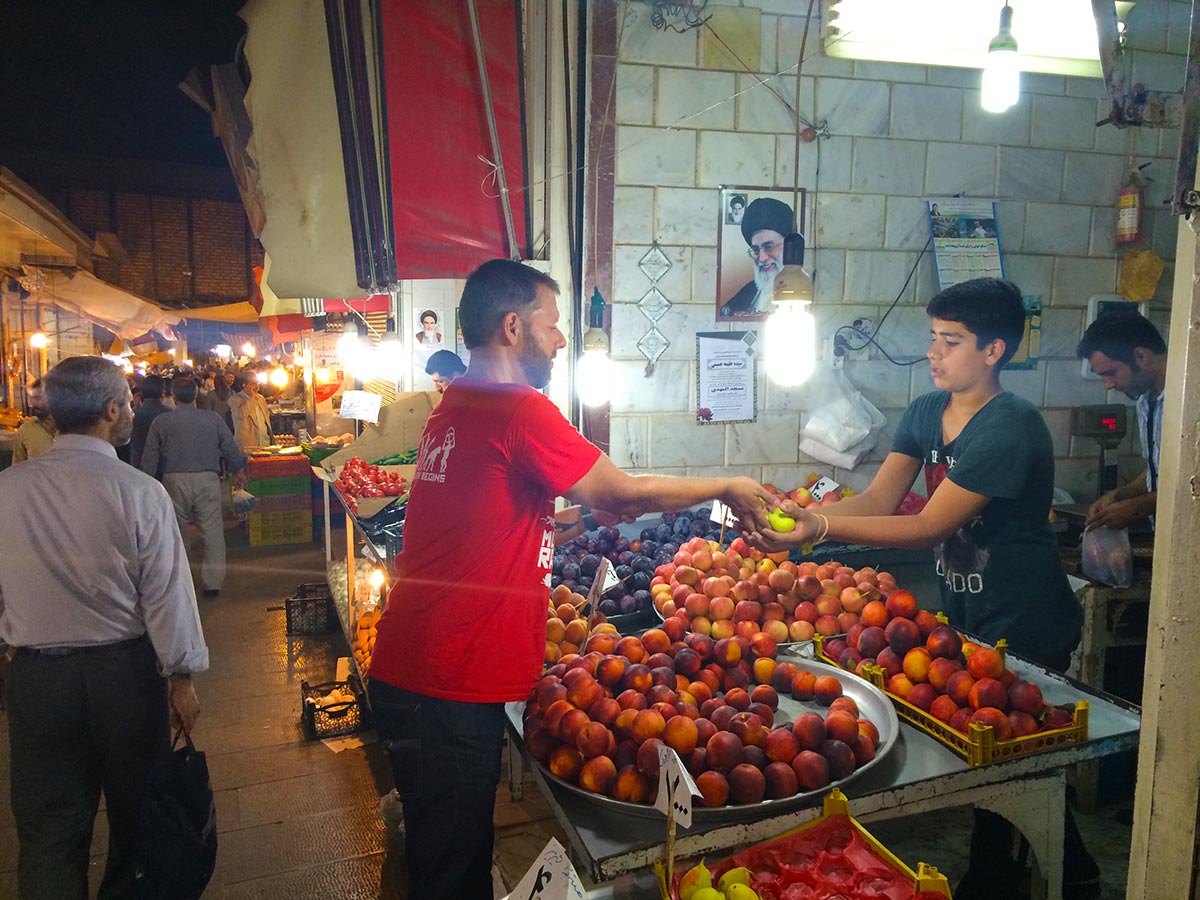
{"points": [[1131, 206]]}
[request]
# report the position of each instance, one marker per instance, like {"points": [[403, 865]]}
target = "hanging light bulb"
{"points": [[349, 345], [595, 376], [323, 375], [262, 377], [248, 349], [376, 578], [279, 377], [1001, 86], [38, 340], [299, 359], [389, 354], [790, 339]]}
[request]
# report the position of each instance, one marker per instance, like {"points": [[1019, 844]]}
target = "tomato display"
{"points": [[358, 478]]}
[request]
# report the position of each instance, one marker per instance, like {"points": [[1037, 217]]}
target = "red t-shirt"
{"points": [[466, 618]]}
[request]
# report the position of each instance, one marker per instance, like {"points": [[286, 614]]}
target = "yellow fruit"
{"points": [[779, 522], [741, 892], [740, 875], [696, 879], [707, 893]]}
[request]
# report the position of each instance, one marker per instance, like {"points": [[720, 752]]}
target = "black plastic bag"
{"points": [[176, 847]]}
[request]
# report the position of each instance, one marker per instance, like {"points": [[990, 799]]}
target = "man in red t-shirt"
{"points": [[465, 626]]}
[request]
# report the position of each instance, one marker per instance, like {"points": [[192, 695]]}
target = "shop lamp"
{"points": [[38, 340], [790, 339], [248, 349], [349, 346], [279, 377], [1001, 86], [596, 376], [299, 359], [223, 351], [389, 354], [323, 375], [188, 363], [262, 377], [376, 578]]}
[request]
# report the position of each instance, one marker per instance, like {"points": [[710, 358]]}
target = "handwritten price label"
{"points": [[674, 778], [721, 514], [822, 487], [551, 877]]}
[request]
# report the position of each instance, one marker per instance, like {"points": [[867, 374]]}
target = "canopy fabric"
{"points": [[124, 314], [241, 312], [447, 212]]}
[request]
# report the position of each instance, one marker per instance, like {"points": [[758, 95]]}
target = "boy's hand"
{"points": [[770, 541]]}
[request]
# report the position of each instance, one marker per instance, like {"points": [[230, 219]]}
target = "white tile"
{"points": [[1033, 83], [1076, 279], [810, 154], [866, 70], [1168, 142], [769, 28], [859, 478], [1145, 141], [1010, 128], [1159, 71], [633, 214], [634, 96], [704, 275], [877, 276], [1109, 138], [925, 283], [907, 224], [1165, 232], [1029, 384], [1058, 423], [656, 156], [629, 441], [642, 42], [1032, 274], [1010, 224], [1148, 25], [1061, 331], [1089, 88], [669, 389], [1103, 238], [788, 478], [831, 317], [1178, 27], [879, 382], [791, 30], [630, 283], [855, 107], [1057, 228], [850, 220], [888, 166], [1028, 174], [833, 173], [1078, 477], [772, 439], [692, 99], [953, 168], [1093, 178], [927, 112], [1063, 122], [920, 384], [829, 274], [679, 325], [962, 78], [676, 440], [1065, 385], [765, 104], [688, 216], [732, 158], [905, 334]]}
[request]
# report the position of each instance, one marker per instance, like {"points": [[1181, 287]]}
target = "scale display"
{"points": [[1106, 423]]}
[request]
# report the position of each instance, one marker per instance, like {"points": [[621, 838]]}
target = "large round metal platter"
{"points": [[662, 618], [872, 704]]}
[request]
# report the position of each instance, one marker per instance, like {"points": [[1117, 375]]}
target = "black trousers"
{"points": [[79, 725]]}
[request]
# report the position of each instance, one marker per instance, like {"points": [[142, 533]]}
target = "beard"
{"points": [[764, 280], [535, 363]]}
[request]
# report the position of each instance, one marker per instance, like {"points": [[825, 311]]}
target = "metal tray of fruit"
{"points": [[873, 704], [659, 619]]}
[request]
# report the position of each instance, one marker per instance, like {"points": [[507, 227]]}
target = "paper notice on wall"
{"points": [[727, 377], [361, 405], [966, 242]]}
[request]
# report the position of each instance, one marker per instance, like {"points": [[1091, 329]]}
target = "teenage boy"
{"points": [[989, 472], [1130, 356]]}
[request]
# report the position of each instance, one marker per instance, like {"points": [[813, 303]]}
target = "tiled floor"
{"points": [[300, 822]]}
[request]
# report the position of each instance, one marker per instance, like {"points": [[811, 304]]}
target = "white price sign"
{"points": [[823, 487], [551, 877], [721, 514], [361, 405], [610, 579], [674, 778]]}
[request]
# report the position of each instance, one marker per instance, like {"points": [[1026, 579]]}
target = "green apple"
{"points": [[779, 522]]}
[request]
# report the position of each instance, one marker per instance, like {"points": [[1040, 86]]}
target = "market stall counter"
{"points": [[918, 776]]}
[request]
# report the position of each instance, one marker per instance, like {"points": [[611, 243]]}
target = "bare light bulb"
{"points": [[790, 338], [38, 340], [1001, 85]]}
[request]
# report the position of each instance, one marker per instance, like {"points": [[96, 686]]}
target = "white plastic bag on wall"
{"points": [[842, 425]]}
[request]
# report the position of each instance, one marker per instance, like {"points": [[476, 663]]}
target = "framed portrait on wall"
{"points": [[751, 225]]}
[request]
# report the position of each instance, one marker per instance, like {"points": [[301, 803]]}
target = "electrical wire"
{"points": [[870, 339]]}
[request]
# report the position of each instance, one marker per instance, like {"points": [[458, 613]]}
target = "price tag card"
{"points": [[823, 487], [551, 877], [604, 578], [721, 515], [610, 578], [672, 772], [361, 405]]}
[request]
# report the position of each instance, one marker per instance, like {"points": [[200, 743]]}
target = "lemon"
{"points": [[707, 893], [740, 875], [741, 892], [779, 522]]}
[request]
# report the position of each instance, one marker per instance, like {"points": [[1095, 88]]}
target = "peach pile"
{"points": [[740, 591], [932, 667], [598, 719], [566, 626], [363, 645]]}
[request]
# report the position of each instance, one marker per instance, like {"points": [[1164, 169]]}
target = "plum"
{"points": [[639, 581], [629, 604], [649, 547], [643, 599], [589, 564], [647, 534], [700, 528], [663, 533], [623, 572], [608, 606], [621, 544], [570, 571]]}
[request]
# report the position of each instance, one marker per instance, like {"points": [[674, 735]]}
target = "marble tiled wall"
{"points": [[899, 134]]}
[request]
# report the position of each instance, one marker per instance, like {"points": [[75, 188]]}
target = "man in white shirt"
{"points": [[1130, 356], [96, 598], [251, 419]]}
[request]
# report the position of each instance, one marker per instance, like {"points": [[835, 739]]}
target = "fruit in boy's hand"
{"points": [[779, 522]]}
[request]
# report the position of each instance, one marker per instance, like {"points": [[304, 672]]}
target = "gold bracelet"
{"points": [[823, 530]]}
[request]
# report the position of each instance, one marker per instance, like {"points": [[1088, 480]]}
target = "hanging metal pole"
{"points": [[514, 252]]}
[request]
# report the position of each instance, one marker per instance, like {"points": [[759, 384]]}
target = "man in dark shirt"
{"points": [[151, 408], [187, 446], [988, 463]]}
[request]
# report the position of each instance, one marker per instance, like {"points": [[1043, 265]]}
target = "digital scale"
{"points": [[1106, 424]]}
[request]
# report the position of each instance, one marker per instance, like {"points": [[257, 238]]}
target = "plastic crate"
{"points": [[317, 454], [267, 529], [926, 880], [282, 503], [979, 746], [269, 487], [337, 719], [294, 465], [311, 589], [310, 615]]}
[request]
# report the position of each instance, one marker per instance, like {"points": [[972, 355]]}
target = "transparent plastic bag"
{"points": [[1107, 557], [840, 417], [243, 501]]}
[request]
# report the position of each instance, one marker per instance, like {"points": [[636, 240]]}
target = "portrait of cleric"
{"points": [[750, 256]]}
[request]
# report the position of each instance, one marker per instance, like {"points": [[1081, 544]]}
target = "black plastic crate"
{"points": [[310, 615], [336, 719], [310, 590]]}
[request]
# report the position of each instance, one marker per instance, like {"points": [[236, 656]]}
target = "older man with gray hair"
{"points": [[97, 600]]}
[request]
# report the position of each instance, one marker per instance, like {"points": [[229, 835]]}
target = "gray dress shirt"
{"points": [[190, 440], [143, 418], [92, 555]]}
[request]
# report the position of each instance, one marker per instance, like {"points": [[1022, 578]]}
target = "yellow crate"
{"points": [[980, 746], [268, 529], [925, 878]]}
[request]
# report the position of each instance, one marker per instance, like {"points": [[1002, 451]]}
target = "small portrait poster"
{"points": [[727, 377], [752, 223]]}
